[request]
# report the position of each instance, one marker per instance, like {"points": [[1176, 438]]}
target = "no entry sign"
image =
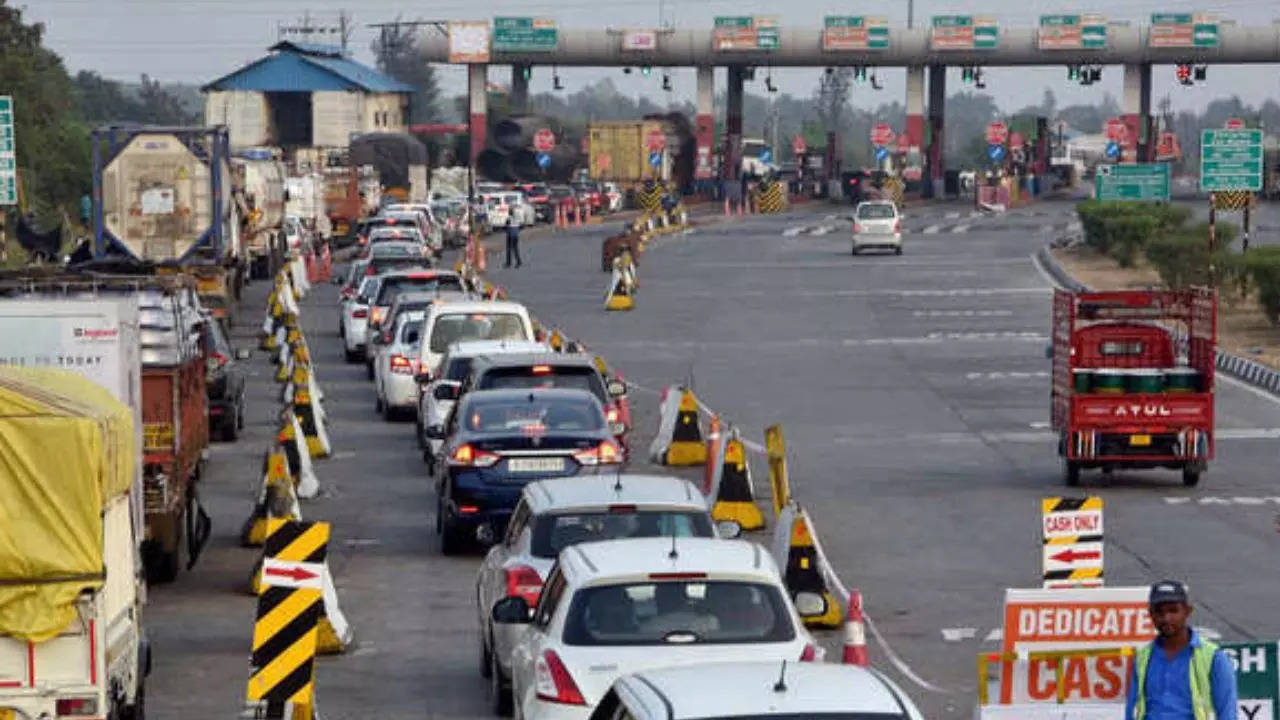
{"points": [[544, 140], [997, 133], [882, 134]]}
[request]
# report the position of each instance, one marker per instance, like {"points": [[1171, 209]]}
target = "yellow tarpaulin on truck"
{"points": [[66, 448]]}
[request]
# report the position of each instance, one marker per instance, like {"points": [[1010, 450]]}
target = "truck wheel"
{"points": [[1070, 473], [1190, 476], [138, 710], [231, 426], [164, 556]]}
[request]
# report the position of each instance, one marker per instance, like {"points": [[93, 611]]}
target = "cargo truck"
{"points": [[163, 196], [72, 641], [621, 152], [141, 338], [1133, 376], [259, 182]]}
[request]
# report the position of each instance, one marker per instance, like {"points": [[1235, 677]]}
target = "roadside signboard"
{"points": [[1116, 129], [1113, 149], [881, 153], [544, 160], [544, 140], [1257, 679], [995, 153], [525, 34], [1183, 30], [799, 146], [1016, 141], [1071, 536], [997, 133], [855, 32], [655, 140], [639, 40], [1132, 181], [1234, 124], [882, 134], [468, 41], [964, 32], [747, 32], [655, 158], [1230, 160], [1072, 32], [8, 154]]}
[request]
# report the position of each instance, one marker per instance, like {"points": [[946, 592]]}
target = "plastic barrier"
{"points": [[685, 446], [732, 493], [803, 573], [276, 499]]}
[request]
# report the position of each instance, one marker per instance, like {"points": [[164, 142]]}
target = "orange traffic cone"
{"points": [[726, 207]]}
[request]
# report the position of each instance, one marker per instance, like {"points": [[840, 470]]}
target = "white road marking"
{"points": [[962, 313], [819, 232], [935, 338], [961, 228], [793, 231], [1249, 501], [931, 230], [1011, 375], [1041, 425], [958, 634], [951, 215], [996, 635], [1047, 436], [1046, 229]]}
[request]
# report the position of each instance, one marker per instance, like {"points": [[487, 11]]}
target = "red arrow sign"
{"points": [[1069, 555], [297, 574]]}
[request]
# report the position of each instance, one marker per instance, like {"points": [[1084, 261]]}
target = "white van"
{"points": [[451, 321]]}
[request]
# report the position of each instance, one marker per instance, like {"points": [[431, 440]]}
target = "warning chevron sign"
{"points": [[1072, 542], [289, 609]]}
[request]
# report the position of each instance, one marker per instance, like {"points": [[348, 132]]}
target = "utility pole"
{"points": [[344, 28], [911, 13]]}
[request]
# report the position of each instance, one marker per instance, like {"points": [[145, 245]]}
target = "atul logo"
{"points": [[1144, 410], [95, 333]]}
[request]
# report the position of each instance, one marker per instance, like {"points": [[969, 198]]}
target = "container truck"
{"points": [[1133, 374], [400, 160], [163, 196], [72, 641], [141, 338], [620, 151], [259, 179]]}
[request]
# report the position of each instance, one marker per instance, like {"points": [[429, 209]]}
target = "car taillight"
{"points": [[856, 227], [76, 706], [554, 683], [218, 359], [810, 653], [360, 313], [897, 226], [523, 581], [470, 455], [606, 453], [611, 415], [401, 364], [369, 271], [375, 315]]}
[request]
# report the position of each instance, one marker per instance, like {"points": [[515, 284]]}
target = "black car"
{"points": [[497, 441], [224, 382]]}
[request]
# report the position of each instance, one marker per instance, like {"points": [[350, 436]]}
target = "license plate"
{"points": [[1139, 440], [553, 464]]}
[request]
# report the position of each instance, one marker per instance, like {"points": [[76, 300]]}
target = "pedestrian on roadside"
{"points": [[513, 242], [1179, 675]]}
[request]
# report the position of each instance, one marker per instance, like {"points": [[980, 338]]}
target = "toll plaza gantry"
{"points": [[741, 44]]}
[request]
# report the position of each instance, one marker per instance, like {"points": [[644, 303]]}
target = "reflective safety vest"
{"points": [[1200, 669]]}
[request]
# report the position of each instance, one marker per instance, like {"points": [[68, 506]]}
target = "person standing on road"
{"points": [[513, 242], [1179, 675]]}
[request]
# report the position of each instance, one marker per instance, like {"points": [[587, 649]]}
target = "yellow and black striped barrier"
{"points": [[771, 198]]}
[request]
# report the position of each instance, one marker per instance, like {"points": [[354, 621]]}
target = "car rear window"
{"points": [[459, 369], [396, 234], [457, 327], [553, 533], [395, 250], [393, 286], [545, 376], [876, 212], [533, 414], [411, 330], [678, 612]]}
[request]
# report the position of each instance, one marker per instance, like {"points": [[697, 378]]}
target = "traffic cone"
{"points": [[482, 263], [686, 446], [855, 633], [311, 422], [299, 456], [733, 497], [726, 207], [713, 455], [621, 295], [741, 202], [804, 575], [275, 499]]}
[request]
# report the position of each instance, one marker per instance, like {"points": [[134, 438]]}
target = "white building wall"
{"points": [[335, 116], [244, 112]]}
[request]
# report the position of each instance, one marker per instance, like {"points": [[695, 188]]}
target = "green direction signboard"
{"points": [[855, 32], [8, 161], [1257, 679], [1142, 181], [525, 34], [746, 33], [964, 32], [1072, 32], [1183, 30], [1230, 160]]}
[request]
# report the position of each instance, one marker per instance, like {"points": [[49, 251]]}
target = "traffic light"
{"points": [[966, 74], [1095, 74], [1183, 73], [1202, 71], [526, 72], [666, 82], [1073, 72], [860, 73], [978, 82], [645, 70]]}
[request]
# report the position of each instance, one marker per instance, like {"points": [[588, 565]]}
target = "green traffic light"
{"points": [[646, 70]]}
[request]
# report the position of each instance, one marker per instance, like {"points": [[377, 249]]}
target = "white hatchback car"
{"points": [[449, 321], [756, 690], [557, 513], [624, 606], [355, 320], [396, 365], [877, 224], [438, 393]]}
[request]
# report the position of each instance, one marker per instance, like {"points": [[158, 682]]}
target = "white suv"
{"points": [[623, 606], [755, 691], [555, 514], [450, 321]]}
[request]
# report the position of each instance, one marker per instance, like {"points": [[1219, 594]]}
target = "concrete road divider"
{"points": [[854, 651], [311, 422], [732, 494], [276, 498], [293, 441]]}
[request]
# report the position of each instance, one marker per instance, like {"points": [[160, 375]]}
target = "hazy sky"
{"points": [[199, 40]]}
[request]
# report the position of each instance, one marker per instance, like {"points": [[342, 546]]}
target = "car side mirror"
{"points": [[435, 432], [513, 610], [446, 391], [809, 604], [728, 529], [242, 354], [617, 388]]}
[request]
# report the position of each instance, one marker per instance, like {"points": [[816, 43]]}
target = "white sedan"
{"points": [[396, 365], [624, 606], [877, 224], [355, 320]]}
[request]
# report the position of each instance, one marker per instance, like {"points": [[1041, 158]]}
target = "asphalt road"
{"points": [[914, 394]]}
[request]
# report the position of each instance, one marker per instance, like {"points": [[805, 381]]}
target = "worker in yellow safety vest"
{"points": [[1179, 675]]}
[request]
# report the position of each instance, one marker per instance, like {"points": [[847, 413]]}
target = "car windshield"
{"points": [[458, 369], [401, 233], [533, 414], [390, 250], [457, 327], [553, 533], [544, 376], [393, 286], [678, 612], [876, 211]]}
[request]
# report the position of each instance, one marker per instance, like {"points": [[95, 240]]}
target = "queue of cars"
{"points": [[593, 578]]}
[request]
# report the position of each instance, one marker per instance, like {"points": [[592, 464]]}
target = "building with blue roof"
{"points": [[305, 95]]}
